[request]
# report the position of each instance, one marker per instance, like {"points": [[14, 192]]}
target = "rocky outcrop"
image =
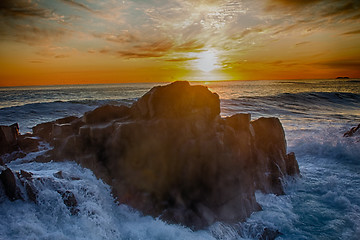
{"points": [[8, 138], [171, 154], [353, 131], [13, 145], [17, 185], [21, 185]]}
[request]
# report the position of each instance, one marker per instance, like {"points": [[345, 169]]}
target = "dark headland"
{"points": [[342, 78], [170, 155]]}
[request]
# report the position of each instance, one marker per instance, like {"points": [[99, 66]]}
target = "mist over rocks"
{"points": [[171, 154]]}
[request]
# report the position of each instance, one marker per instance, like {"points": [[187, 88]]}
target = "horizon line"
{"points": [[170, 81]]}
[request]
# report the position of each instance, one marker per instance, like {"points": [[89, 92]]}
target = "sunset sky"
{"points": [[89, 41]]}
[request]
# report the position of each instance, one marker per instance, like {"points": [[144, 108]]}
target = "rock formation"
{"points": [[353, 131], [13, 145], [21, 185], [171, 154]]}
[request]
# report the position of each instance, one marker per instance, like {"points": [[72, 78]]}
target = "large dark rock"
{"points": [[172, 155], [175, 100], [20, 185], [105, 114], [13, 145], [8, 180], [8, 138], [60, 128]]}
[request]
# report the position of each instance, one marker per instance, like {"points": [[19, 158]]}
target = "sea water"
{"points": [[324, 203]]}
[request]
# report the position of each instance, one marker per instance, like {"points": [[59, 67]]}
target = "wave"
{"points": [[326, 143], [29, 115], [309, 99], [98, 216], [315, 105], [319, 98]]}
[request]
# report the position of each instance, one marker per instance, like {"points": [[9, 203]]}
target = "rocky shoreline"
{"points": [[170, 155]]}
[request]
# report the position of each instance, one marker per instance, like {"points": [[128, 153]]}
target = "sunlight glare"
{"points": [[207, 61]]}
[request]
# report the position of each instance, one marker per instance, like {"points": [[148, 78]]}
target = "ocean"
{"points": [[324, 203]]}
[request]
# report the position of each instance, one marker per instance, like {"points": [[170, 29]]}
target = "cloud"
{"points": [[322, 8], [78, 5], [249, 31], [181, 59], [189, 46], [22, 8], [293, 3], [122, 37], [289, 4], [347, 8], [302, 43], [352, 32], [131, 54], [351, 64], [34, 35], [62, 56], [36, 61], [354, 17], [130, 45]]}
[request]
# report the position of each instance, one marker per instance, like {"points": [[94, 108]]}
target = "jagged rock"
{"points": [[70, 201], [8, 180], [59, 175], [352, 131], [20, 185], [57, 129], [178, 99], [8, 138], [270, 147], [269, 234], [13, 145], [26, 179], [14, 181], [27, 143], [172, 155], [292, 166], [106, 113]]}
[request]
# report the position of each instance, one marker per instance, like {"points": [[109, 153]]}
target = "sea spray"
{"points": [[323, 204]]}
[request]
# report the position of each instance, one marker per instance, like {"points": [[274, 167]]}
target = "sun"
{"points": [[206, 61]]}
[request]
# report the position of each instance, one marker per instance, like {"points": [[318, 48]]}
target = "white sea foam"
{"points": [[99, 217], [323, 204]]}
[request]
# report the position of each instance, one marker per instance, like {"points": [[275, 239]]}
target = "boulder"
{"points": [[60, 128], [292, 166], [353, 131], [70, 201], [270, 234], [13, 145], [8, 180], [8, 138], [175, 100], [28, 143], [270, 155], [172, 156], [105, 114], [20, 185]]}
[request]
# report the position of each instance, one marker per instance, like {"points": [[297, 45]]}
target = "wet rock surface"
{"points": [[171, 155], [354, 131], [21, 185]]}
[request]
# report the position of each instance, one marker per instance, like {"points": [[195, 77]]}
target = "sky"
{"points": [[45, 42]]}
